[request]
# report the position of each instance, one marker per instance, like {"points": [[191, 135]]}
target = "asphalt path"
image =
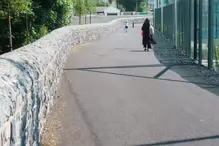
{"points": [[112, 93]]}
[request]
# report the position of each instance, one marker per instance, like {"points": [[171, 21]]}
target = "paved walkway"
{"points": [[114, 94]]}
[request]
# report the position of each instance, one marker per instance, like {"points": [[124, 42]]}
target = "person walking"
{"points": [[147, 33], [126, 26]]}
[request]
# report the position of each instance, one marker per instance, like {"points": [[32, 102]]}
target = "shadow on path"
{"points": [[114, 67], [156, 77], [190, 71], [137, 51], [171, 142]]}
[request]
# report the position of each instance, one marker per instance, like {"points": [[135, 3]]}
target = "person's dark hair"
{"points": [[146, 23]]}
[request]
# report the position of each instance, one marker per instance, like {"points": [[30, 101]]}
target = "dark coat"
{"points": [[146, 37]]}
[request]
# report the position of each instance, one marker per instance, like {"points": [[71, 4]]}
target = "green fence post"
{"points": [[195, 29], [189, 29], [210, 34], [175, 24], [200, 31], [162, 4]]}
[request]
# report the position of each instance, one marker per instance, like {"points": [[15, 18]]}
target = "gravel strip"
{"points": [[165, 51]]}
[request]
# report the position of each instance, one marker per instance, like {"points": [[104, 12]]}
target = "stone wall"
{"points": [[30, 76]]}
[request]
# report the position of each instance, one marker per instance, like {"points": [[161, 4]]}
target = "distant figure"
{"points": [[147, 33], [126, 26], [133, 24]]}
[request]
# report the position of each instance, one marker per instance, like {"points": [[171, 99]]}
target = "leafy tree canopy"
{"points": [[130, 5]]}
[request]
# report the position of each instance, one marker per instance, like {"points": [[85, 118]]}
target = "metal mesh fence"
{"points": [[168, 21], [158, 19], [193, 26], [171, 31], [183, 25]]}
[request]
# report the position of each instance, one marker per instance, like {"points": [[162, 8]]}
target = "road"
{"points": [[114, 94]]}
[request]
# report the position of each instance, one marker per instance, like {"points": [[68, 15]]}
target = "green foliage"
{"points": [[80, 7], [16, 6], [130, 5], [91, 5], [216, 54], [33, 35], [10, 11], [110, 1], [66, 7], [33, 19], [101, 3], [3, 14]]}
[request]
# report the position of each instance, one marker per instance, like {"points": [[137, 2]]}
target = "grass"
{"points": [[216, 54]]}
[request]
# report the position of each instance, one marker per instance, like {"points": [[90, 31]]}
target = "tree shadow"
{"points": [[189, 76], [188, 70], [171, 142], [167, 56], [156, 77], [137, 51], [114, 67]]}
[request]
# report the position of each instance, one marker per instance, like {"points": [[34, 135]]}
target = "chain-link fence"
{"points": [[183, 25], [193, 26], [157, 19], [168, 22], [181, 31]]}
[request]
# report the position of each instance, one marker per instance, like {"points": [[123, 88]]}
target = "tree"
{"points": [[90, 5], [32, 19], [80, 8], [101, 3], [130, 5], [143, 6], [14, 8], [66, 7], [110, 1], [48, 15]]}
